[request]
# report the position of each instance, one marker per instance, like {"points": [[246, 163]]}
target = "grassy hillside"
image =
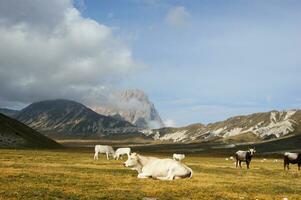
{"points": [[16, 134], [70, 174]]}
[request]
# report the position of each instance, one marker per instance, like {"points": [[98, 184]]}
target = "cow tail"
{"points": [[191, 172]]}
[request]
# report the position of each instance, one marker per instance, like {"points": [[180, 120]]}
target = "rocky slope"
{"points": [[15, 134], [254, 127], [133, 106], [9, 112], [67, 117]]}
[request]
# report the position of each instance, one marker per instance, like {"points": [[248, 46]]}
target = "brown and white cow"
{"points": [[244, 156], [293, 158]]}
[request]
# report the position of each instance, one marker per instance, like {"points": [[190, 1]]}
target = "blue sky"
{"points": [[222, 58], [198, 60]]}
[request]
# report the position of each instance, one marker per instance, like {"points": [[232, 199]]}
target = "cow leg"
{"points": [[96, 156], [236, 163], [240, 163], [286, 166], [143, 175], [165, 178], [248, 165], [170, 176], [107, 156]]}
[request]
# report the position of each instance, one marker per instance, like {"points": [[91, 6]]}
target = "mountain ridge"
{"points": [[263, 125], [66, 117]]}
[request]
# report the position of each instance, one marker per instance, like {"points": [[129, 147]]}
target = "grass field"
{"points": [[71, 174]]}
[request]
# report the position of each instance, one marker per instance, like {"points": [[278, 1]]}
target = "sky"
{"points": [[199, 61]]}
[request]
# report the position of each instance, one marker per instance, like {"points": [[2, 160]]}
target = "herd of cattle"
{"points": [[170, 169]]}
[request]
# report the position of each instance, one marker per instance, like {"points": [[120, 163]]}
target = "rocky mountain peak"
{"points": [[133, 106]]}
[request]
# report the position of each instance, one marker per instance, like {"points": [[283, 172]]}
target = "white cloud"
{"points": [[177, 16], [48, 50], [169, 123]]}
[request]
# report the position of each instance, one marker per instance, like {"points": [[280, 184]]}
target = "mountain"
{"points": [[66, 117], [9, 112], [247, 128], [16, 134], [133, 106]]}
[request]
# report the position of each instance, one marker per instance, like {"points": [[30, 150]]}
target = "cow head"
{"points": [[133, 161], [252, 151]]}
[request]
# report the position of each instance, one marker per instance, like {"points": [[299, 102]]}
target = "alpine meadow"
{"points": [[150, 100]]}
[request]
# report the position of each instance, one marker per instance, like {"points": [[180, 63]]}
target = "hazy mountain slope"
{"points": [[9, 112], [259, 126], [133, 106], [15, 134], [66, 117]]}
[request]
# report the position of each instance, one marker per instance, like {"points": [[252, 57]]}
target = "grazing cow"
{"points": [[178, 157], [244, 156], [162, 169], [122, 151], [108, 150], [293, 158], [231, 158]]}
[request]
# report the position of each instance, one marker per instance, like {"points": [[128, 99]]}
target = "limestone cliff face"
{"points": [[133, 106]]}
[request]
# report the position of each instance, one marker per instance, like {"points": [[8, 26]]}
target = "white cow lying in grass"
{"points": [[178, 157], [108, 150], [163, 169], [122, 151]]}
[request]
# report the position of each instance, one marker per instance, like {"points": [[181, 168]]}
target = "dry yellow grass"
{"points": [[30, 174]]}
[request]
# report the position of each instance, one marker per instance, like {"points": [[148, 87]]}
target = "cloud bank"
{"points": [[49, 50], [177, 16]]}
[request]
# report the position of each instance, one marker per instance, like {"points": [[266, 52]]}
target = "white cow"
{"points": [[108, 150], [178, 157], [163, 169], [122, 151]]}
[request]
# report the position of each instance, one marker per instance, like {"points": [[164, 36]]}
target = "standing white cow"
{"points": [[178, 157], [108, 150], [163, 169], [122, 151]]}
